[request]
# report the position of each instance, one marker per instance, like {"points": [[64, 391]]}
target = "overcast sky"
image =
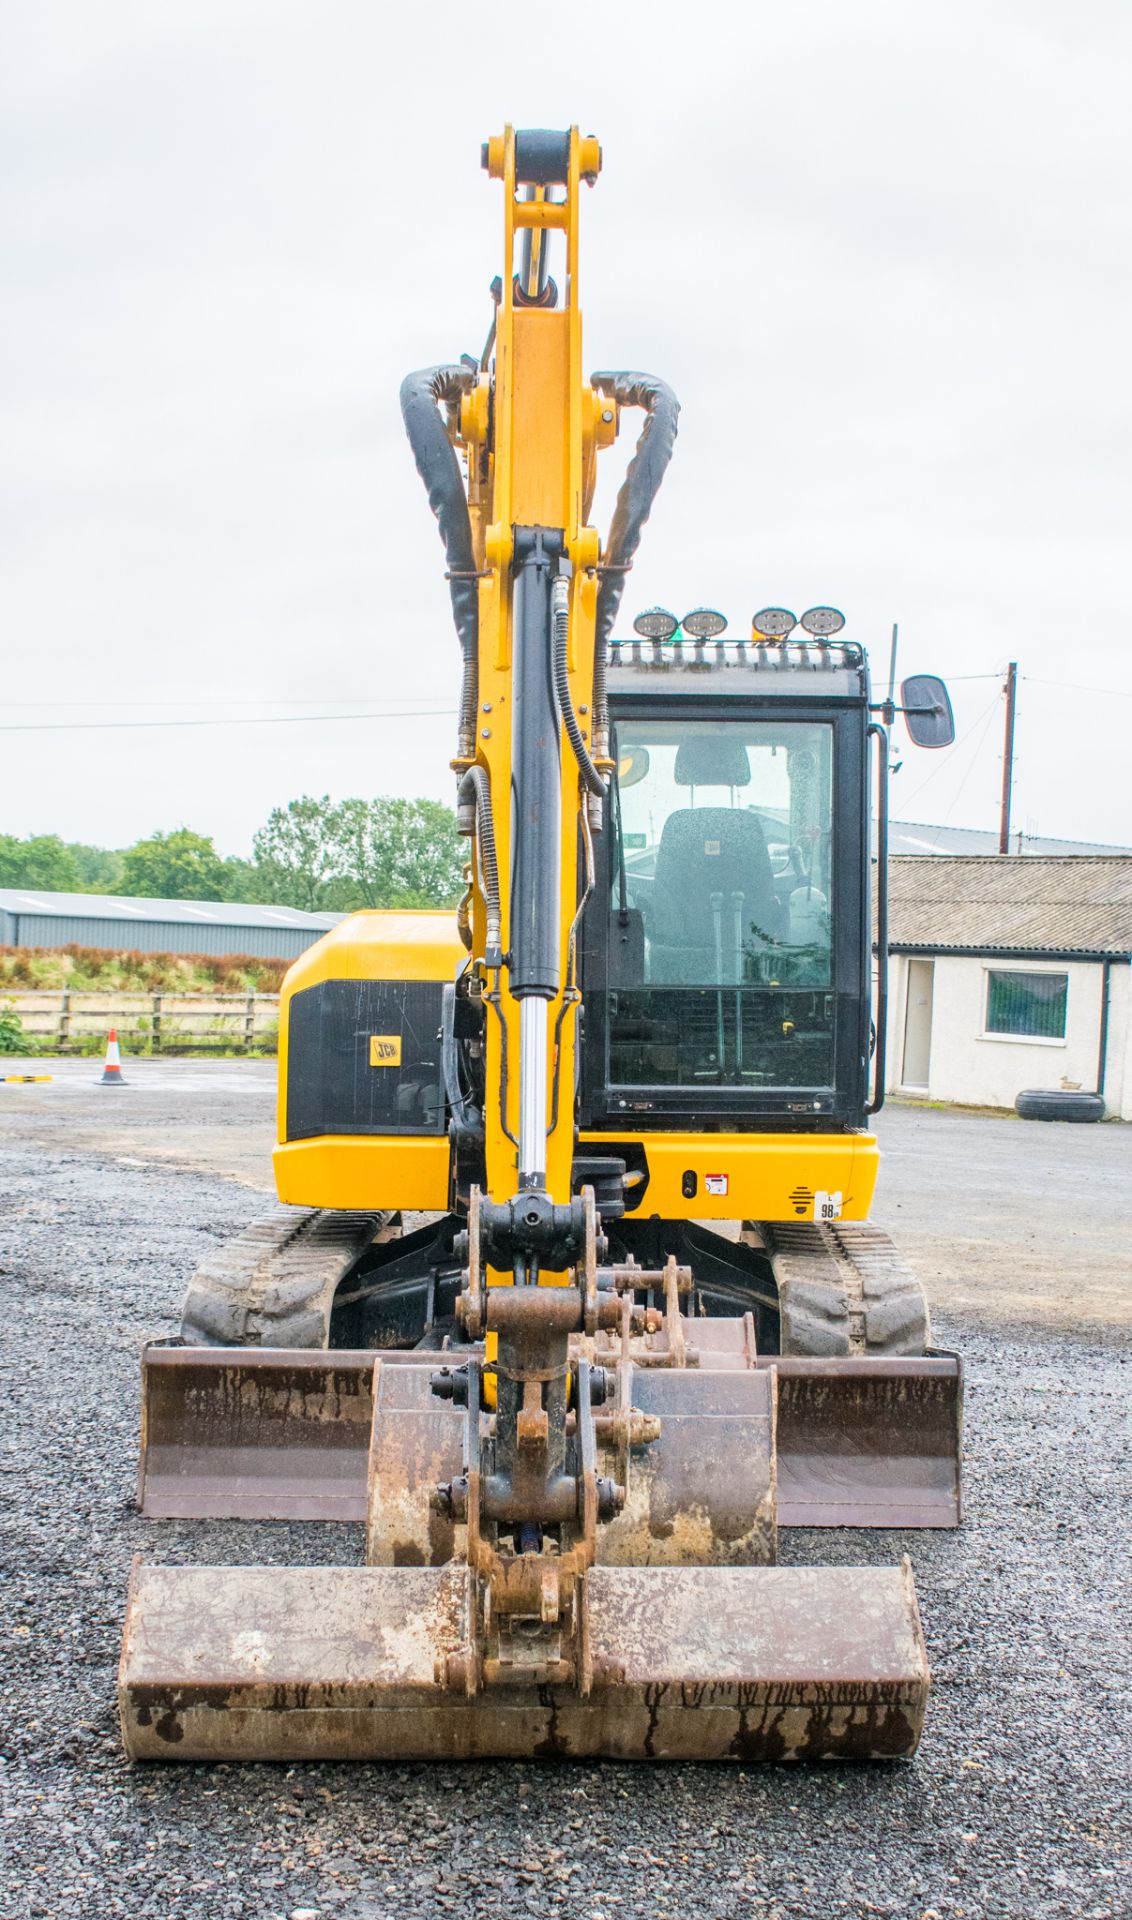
{"points": [[881, 251]]}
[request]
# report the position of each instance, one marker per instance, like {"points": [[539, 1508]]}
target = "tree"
{"points": [[181, 865], [296, 853], [99, 868], [42, 861], [400, 853]]}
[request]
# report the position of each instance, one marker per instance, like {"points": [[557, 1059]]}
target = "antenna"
{"points": [[892, 668]]}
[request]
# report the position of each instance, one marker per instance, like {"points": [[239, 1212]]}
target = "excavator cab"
{"points": [[729, 973]]}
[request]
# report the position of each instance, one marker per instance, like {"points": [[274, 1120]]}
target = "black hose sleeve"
{"points": [[641, 484], [421, 394], [476, 788], [591, 778]]}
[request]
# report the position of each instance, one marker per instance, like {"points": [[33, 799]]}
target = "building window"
{"points": [[1030, 1006]]}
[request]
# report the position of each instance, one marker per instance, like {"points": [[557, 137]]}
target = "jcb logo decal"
{"points": [[385, 1049]]}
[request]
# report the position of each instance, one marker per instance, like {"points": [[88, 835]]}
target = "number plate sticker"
{"points": [[715, 1182], [827, 1206], [385, 1049]]}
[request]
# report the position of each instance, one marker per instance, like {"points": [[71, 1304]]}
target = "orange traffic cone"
{"points": [[112, 1066]]}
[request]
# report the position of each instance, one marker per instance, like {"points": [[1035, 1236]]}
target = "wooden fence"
{"points": [[65, 1021]]}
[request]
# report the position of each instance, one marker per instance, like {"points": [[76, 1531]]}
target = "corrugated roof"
{"points": [[919, 836], [1079, 903], [131, 907]]}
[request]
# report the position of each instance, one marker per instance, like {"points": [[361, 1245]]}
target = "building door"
{"points": [[916, 1069]]}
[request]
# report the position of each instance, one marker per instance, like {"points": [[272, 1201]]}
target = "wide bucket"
{"points": [[690, 1663], [283, 1434]]}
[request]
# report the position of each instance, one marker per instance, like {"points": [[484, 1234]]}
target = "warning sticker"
{"points": [[711, 848], [715, 1182], [827, 1206]]}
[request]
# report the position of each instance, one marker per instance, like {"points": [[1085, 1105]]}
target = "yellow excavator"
{"points": [[571, 1297]]}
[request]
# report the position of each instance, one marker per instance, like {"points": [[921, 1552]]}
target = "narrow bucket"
{"points": [[690, 1663], [869, 1443], [254, 1433]]}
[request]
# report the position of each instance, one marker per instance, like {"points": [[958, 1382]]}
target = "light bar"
{"points": [[656, 623], [774, 623]]}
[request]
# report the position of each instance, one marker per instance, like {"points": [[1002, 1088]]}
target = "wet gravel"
{"points": [[1018, 1803]]}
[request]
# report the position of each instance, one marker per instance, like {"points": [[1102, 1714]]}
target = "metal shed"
{"points": [[122, 923]]}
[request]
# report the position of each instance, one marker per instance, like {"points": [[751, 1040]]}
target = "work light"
{"points": [[656, 623], [823, 621], [704, 624], [774, 623]]}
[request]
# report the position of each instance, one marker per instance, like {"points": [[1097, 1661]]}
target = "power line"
{"points": [[252, 700], [971, 764], [907, 799], [250, 720], [1074, 686]]}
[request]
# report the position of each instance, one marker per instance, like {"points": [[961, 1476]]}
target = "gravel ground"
{"points": [[1018, 1803]]}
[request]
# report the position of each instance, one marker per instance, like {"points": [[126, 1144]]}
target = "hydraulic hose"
{"points": [[560, 613], [421, 394], [639, 489], [475, 791]]}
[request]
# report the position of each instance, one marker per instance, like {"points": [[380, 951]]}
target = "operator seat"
{"points": [[705, 851]]}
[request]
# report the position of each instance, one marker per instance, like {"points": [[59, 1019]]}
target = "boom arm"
{"points": [[534, 598]]}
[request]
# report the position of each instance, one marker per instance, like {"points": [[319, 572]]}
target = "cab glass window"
{"points": [[720, 953]]}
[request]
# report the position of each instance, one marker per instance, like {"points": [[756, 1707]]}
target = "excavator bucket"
{"points": [[687, 1663], [696, 1646], [254, 1433], [276, 1434], [869, 1442]]}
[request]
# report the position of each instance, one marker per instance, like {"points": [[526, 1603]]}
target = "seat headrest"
{"points": [[712, 760]]}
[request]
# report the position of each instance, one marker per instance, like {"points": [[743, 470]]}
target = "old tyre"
{"points": [[1059, 1103]]}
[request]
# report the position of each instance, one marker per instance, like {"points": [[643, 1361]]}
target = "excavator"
{"points": [[571, 1298]]}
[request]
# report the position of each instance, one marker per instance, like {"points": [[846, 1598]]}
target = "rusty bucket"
{"points": [[284, 1434], [688, 1663]]}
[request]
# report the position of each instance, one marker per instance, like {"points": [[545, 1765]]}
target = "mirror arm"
{"points": [[888, 710]]}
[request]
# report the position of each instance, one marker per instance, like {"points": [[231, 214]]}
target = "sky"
{"points": [[881, 251]]}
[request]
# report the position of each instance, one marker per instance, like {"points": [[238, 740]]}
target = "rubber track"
{"points": [[844, 1289], [273, 1285]]}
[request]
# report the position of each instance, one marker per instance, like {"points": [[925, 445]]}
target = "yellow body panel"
{"points": [[753, 1176], [381, 944], [769, 1176], [347, 1171]]}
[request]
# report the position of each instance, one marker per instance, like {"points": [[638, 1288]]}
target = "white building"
{"points": [[1010, 972]]}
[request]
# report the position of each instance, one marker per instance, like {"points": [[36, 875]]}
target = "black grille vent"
{"points": [[332, 1087]]}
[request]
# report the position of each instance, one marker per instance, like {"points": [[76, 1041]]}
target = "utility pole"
{"points": [[1010, 691]]}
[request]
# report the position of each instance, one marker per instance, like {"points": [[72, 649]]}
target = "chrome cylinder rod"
{"points": [[532, 1092]]}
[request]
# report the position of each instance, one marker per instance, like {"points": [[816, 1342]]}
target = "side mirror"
{"points": [[632, 765], [926, 706]]}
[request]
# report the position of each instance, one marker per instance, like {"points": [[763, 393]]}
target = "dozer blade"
{"points": [[283, 1434], [688, 1663]]}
